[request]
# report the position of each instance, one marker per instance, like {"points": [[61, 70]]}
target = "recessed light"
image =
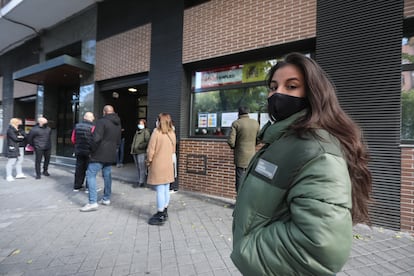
{"points": [[132, 89]]}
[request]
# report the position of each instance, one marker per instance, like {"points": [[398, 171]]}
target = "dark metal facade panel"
{"points": [[166, 73], [359, 45]]}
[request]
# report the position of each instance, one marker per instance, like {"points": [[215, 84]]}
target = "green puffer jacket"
{"points": [[292, 214]]}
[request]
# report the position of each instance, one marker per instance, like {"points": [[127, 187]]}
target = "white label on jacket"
{"points": [[266, 168]]}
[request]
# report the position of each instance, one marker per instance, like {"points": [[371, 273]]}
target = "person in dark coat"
{"points": [[14, 138], [40, 138], [82, 136], [106, 139], [139, 151]]}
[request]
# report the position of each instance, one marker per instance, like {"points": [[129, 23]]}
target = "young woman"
{"points": [[307, 185], [160, 150], [139, 151]]}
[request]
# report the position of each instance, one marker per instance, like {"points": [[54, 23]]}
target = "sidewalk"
{"points": [[43, 233]]}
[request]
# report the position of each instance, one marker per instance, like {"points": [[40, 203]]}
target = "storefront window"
{"points": [[217, 95], [407, 90], [407, 50], [407, 105], [214, 111]]}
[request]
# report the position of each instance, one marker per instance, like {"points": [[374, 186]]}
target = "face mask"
{"points": [[281, 106], [140, 126]]}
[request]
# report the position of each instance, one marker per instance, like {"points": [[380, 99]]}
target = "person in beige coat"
{"points": [[161, 148]]}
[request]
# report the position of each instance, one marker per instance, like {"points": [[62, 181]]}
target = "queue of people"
{"points": [[298, 196]]}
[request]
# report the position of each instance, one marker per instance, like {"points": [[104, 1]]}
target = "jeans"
{"points": [[163, 196], [120, 152], [91, 173], [20, 161], [11, 162], [80, 172], [38, 159], [139, 160]]}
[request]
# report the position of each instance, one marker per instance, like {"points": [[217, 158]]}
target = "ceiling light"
{"points": [[132, 89]]}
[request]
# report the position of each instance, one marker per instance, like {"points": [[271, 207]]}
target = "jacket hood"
{"points": [[114, 118]]}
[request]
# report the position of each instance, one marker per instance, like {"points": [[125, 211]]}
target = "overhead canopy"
{"points": [[62, 71]]}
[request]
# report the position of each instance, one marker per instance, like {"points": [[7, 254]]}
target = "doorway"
{"points": [[130, 103]]}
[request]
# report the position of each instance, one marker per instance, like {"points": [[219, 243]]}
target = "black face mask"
{"points": [[281, 106]]}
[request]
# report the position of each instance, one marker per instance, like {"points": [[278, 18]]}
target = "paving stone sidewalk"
{"points": [[43, 233]]}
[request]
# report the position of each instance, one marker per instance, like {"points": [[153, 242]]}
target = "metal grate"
{"points": [[359, 45]]}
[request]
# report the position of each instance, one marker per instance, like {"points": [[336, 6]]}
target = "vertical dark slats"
{"points": [[166, 73], [359, 46]]}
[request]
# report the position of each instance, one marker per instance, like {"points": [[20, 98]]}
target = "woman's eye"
{"points": [[291, 87]]}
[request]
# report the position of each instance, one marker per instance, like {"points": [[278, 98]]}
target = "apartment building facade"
{"points": [[200, 60]]}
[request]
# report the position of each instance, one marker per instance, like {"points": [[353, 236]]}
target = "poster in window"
{"points": [[228, 118], [212, 119], [202, 119], [253, 72], [254, 116], [264, 118]]}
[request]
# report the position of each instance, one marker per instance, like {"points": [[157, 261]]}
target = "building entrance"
{"points": [[130, 103]]}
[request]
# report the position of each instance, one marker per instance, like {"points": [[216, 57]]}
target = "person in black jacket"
{"points": [[14, 138], [106, 139], [40, 138], [82, 139]]}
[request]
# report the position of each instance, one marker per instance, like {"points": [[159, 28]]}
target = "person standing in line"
{"points": [[106, 139], [82, 137], [40, 138], [243, 139], [15, 158], [139, 151], [307, 185], [161, 148]]}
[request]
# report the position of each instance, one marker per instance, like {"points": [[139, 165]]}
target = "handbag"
{"points": [[29, 148]]}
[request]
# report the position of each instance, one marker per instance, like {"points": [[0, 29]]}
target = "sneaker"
{"points": [[105, 202], [20, 176], [86, 191], [10, 178], [89, 207], [157, 219], [76, 190], [46, 173], [37, 176]]}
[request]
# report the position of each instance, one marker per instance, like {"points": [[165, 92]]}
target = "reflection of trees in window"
{"points": [[407, 117], [407, 58]]}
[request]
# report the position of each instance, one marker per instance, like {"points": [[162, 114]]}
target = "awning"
{"points": [[61, 71]]}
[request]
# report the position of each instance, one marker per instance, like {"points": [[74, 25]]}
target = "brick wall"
{"points": [[221, 27], [206, 166], [407, 189], [124, 54], [408, 8]]}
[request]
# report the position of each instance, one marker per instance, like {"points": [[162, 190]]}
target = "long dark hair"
{"points": [[325, 112]]}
